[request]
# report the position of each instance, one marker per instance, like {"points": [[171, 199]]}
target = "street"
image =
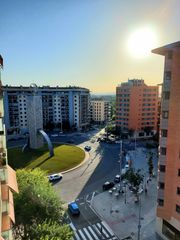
{"points": [[84, 184]]}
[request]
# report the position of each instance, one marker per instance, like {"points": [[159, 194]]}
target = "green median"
{"points": [[65, 157]]}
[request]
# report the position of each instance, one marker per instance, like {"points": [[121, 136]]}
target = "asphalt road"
{"points": [[102, 165]]}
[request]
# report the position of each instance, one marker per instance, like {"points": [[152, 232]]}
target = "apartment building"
{"points": [[8, 183], [60, 106], [136, 106], [100, 111], [168, 209]]}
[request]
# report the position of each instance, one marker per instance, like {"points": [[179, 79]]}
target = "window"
{"points": [[164, 132], [178, 190], [160, 202], [167, 75], [179, 172], [165, 114], [170, 55], [166, 95], [163, 151], [161, 185], [162, 168], [177, 208]]}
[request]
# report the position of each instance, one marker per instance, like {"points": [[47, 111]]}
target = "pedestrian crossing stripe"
{"points": [[95, 232]]}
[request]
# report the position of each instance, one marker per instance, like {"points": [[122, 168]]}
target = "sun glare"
{"points": [[141, 42]]}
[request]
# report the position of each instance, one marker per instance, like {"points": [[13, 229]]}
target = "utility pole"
{"points": [[120, 160], [139, 218]]}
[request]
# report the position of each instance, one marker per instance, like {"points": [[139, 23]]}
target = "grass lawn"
{"points": [[65, 157]]}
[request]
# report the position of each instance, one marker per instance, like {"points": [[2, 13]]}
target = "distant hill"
{"points": [[106, 97]]}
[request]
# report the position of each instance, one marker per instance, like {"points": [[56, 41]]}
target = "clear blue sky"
{"points": [[82, 42]]}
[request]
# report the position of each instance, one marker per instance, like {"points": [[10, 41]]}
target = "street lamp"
{"points": [[139, 218], [120, 160]]}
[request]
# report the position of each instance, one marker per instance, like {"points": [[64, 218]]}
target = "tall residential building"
{"points": [[100, 111], [61, 106], [8, 183], [136, 106], [168, 210]]}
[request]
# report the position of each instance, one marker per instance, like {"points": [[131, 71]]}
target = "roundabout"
{"points": [[65, 158]]}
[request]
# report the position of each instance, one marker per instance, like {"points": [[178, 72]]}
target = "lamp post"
{"points": [[139, 218], [120, 160]]}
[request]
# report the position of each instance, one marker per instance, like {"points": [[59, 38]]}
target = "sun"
{"points": [[141, 42]]}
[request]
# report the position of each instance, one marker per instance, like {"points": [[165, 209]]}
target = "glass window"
{"points": [[166, 95], [167, 75], [161, 202], [162, 168], [178, 190], [161, 185], [170, 55], [163, 151]]}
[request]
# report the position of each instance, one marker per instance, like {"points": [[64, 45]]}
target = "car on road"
{"points": [[55, 177], [87, 148], [107, 185], [73, 208]]}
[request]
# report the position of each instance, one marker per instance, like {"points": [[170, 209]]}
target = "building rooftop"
{"points": [[162, 50], [34, 86]]}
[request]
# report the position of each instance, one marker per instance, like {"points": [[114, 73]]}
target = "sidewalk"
{"points": [[123, 218]]}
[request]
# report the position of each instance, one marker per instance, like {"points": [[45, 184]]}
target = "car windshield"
{"points": [[74, 206]]}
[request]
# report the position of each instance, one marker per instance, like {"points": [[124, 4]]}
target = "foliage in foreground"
{"points": [[36, 205], [49, 230]]}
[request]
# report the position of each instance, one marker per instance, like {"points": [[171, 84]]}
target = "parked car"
{"points": [[87, 148], [55, 177], [107, 185], [117, 178], [73, 208]]}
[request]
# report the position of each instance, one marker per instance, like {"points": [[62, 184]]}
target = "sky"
{"points": [[84, 43]]}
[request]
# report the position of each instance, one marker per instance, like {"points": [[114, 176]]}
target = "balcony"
{"points": [[163, 142], [166, 85], [162, 160], [160, 194], [161, 176], [164, 123], [165, 105]]}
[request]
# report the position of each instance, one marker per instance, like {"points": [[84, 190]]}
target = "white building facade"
{"points": [[60, 106]]}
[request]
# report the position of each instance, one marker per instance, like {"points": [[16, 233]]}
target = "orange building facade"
{"points": [[8, 182], [168, 209], [136, 106]]}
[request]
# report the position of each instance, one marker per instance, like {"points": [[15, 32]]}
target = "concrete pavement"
{"points": [[122, 214]]}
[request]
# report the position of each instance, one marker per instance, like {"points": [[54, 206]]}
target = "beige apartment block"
{"points": [[100, 111], [168, 209]]}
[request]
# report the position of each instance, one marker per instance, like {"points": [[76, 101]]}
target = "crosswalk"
{"points": [[94, 232]]}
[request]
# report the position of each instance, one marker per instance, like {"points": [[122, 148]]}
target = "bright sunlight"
{"points": [[141, 42]]}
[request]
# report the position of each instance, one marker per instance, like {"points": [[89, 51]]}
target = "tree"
{"points": [[49, 230], [36, 202], [134, 178]]}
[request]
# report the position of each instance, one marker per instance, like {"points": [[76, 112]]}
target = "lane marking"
{"points": [[82, 235], [93, 233], [87, 233]]}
